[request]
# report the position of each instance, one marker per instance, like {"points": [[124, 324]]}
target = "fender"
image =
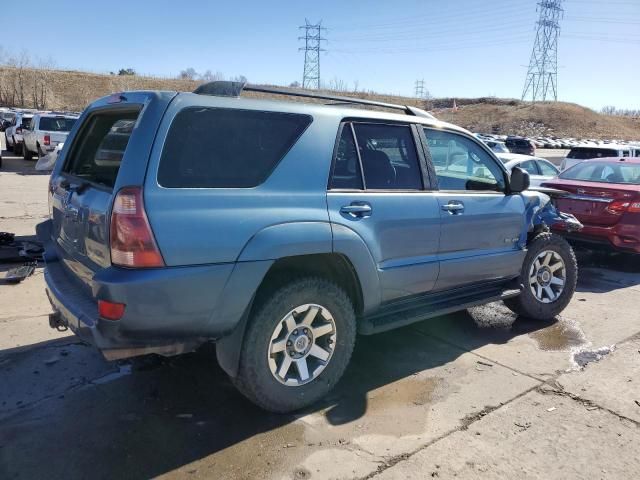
{"points": [[287, 240], [541, 213]]}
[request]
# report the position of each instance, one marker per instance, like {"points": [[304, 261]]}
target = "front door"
{"points": [[377, 189], [480, 224]]}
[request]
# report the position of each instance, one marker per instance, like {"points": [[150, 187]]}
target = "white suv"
{"points": [[13, 134], [45, 132]]}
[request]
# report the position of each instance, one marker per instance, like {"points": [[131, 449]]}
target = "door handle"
{"points": [[357, 210], [453, 207]]}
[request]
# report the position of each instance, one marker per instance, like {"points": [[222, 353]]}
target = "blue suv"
{"points": [[281, 230]]}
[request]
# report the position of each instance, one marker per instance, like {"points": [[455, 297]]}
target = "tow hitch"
{"points": [[56, 321]]}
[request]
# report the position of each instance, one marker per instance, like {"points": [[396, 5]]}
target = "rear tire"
{"points": [[549, 275], [26, 153], [281, 320]]}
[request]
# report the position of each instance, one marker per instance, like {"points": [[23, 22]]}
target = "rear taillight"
{"points": [[132, 242], [110, 310], [618, 207], [47, 140]]}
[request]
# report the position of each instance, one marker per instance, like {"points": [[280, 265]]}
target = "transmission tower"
{"points": [[542, 75], [420, 88], [312, 48]]}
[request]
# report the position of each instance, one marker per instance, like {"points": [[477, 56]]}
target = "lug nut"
{"points": [[306, 330], [289, 343], [295, 332]]}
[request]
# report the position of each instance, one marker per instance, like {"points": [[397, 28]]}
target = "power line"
{"points": [[312, 48], [420, 90], [542, 75]]}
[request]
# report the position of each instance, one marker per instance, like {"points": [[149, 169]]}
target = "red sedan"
{"points": [[604, 194]]}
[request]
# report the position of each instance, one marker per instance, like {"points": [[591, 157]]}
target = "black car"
{"points": [[520, 145]]}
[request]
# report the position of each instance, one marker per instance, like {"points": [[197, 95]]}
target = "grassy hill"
{"points": [[73, 90]]}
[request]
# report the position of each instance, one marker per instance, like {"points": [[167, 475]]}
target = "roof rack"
{"points": [[233, 89]]}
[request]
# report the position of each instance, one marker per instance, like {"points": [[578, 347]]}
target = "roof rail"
{"points": [[233, 89]]}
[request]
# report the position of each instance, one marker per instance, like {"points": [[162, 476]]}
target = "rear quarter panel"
{"points": [[215, 225]]}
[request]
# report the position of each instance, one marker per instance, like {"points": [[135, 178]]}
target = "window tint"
{"points": [[56, 124], [26, 122], [461, 164], [547, 169], [389, 157], [583, 153], [606, 172], [529, 166], [346, 168], [97, 152], [224, 148]]}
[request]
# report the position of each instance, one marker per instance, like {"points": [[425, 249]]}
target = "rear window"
{"points": [[26, 123], [586, 153], [225, 148], [98, 149], [57, 124], [606, 172]]}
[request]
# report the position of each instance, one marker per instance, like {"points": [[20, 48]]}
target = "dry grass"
{"points": [[72, 90]]}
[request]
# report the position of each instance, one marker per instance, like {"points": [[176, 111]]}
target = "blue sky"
{"points": [[461, 48]]}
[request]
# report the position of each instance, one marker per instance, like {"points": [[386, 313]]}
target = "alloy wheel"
{"points": [[302, 344], [547, 276]]}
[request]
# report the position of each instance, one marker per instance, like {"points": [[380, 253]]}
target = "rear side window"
{"points": [[346, 168], [98, 149], [225, 148], [26, 123], [389, 157]]}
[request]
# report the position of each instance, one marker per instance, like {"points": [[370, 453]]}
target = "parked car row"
{"points": [[527, 145], [36, 133]]}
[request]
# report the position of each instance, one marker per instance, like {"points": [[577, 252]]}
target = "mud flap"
{"points": [[228, 348]]}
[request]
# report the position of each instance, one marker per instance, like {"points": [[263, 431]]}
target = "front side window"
{"points": [[389, 157], [226, 148], [461, 164]]}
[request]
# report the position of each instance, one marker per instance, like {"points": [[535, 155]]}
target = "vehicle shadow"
{"points": [[147, 417], [13, 164], [600, 271]]}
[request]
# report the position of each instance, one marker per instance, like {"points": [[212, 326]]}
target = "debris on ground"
{"points": [[584, 357]]}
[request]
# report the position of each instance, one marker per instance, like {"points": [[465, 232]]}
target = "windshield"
{"points": [[57, 124], [604, 172]]}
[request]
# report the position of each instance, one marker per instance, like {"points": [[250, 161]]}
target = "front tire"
{"points": [[549, 275], [297, 345]]}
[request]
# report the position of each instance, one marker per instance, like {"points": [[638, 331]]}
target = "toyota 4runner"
{"points": [[280, 230]]}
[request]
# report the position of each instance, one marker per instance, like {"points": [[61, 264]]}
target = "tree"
{"points": [[211, 77], [295, 84], [126, 71], [188, 74]]}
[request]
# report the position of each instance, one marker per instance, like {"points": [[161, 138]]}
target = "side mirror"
{"points": [[519, 180]]}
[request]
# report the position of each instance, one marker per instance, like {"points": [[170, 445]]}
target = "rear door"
{"points": [[480, 224], [108, 149], [379, 190]]}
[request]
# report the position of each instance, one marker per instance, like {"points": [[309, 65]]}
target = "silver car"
{"points": [[539, 169]]}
